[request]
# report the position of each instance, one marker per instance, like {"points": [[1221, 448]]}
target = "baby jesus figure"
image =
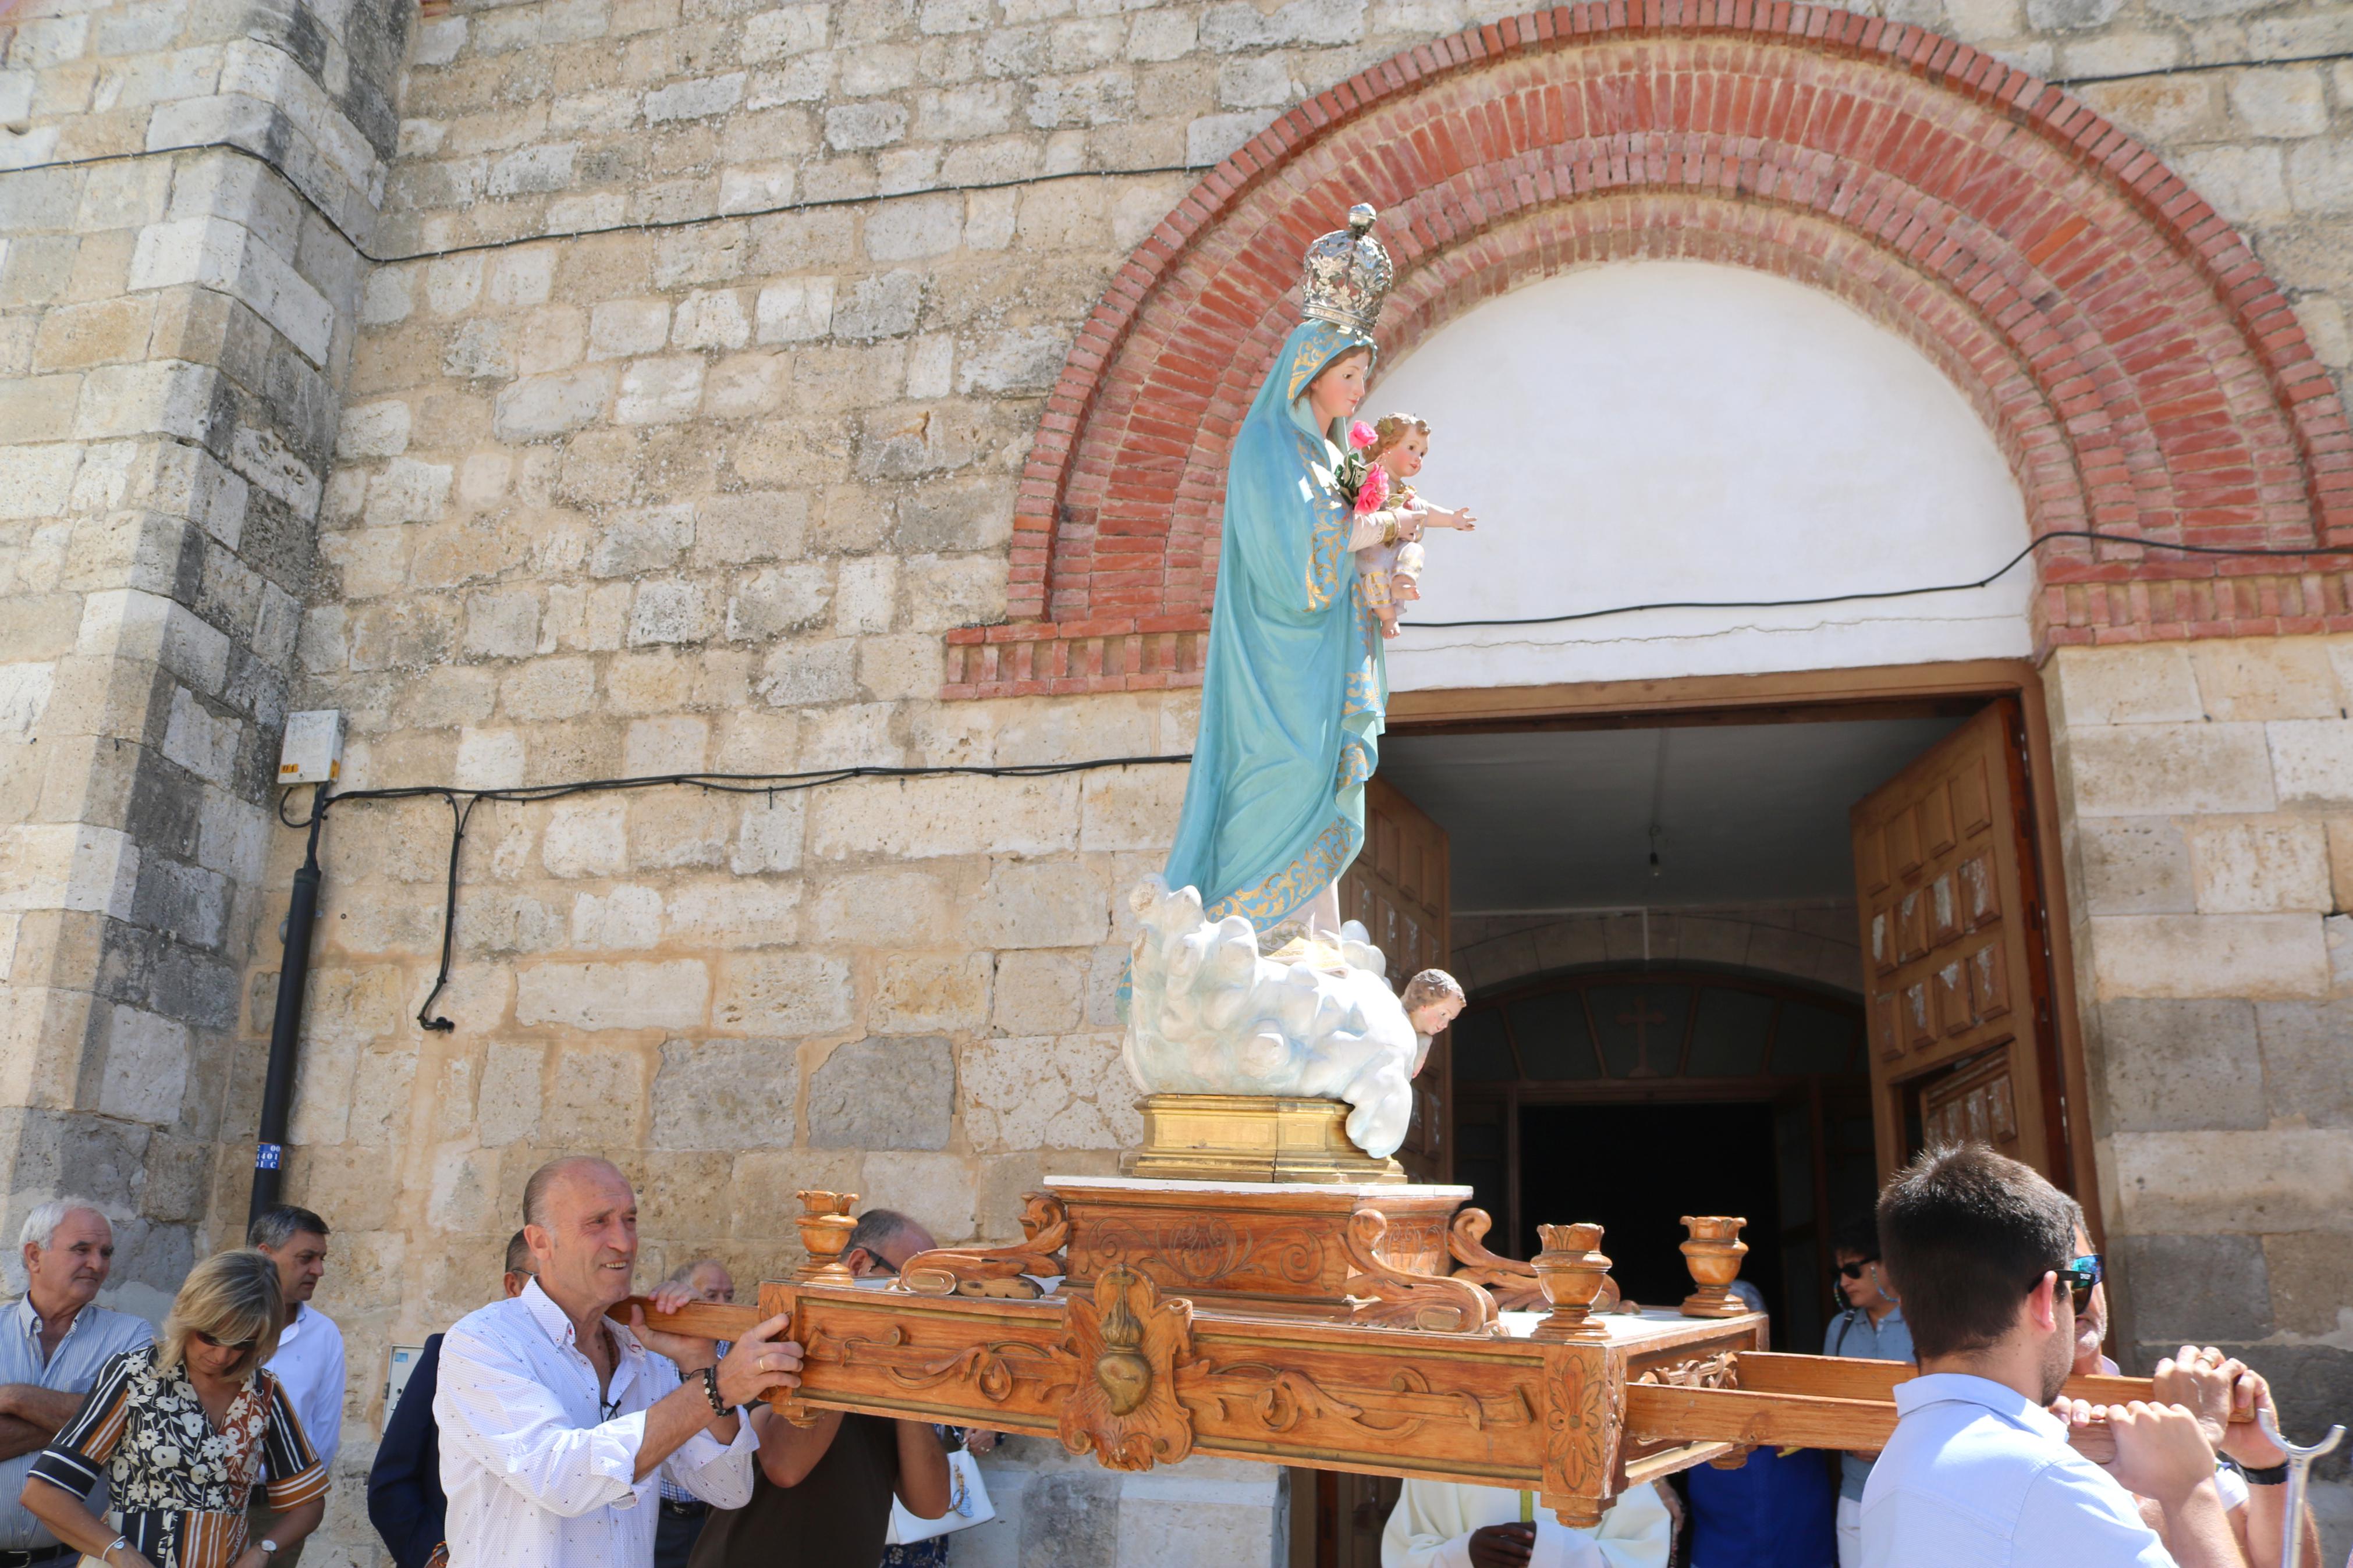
{"points": [[1389, 516]]}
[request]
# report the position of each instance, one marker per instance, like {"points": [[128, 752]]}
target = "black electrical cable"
{"points": [[461, 804], [1883, 593], [644, 225], [2203, 66]]}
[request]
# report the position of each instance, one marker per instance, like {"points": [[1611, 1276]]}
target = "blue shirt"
{"points": [[1771, 1512], [94, 1335], [1853, 1333], [1979, 1476]]}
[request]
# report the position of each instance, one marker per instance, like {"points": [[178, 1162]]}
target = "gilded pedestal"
{"points": [[1251, 1138]]}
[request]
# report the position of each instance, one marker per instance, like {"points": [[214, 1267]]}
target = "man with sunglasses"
{"points": [[1979, 1471], [1871, 1329], [2224, 1391]]}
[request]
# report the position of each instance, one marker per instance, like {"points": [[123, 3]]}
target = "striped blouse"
{"points": [[180, 1486]]}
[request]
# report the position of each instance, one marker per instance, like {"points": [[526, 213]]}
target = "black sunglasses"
{"points": [[239, 1346], [1855, 1270], [2082, 1276]]}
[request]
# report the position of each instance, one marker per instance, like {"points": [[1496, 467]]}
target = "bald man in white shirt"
{"points": [[558, 1424]]}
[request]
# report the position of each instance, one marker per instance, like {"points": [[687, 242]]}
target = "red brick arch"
{"points": [[2139, 369]]}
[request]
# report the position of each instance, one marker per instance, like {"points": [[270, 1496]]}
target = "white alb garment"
{"points": [[1431, 1526], [539, 1474], [310, 1362]]}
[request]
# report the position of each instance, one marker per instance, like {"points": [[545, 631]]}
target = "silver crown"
{"points": [[1348, 275]]}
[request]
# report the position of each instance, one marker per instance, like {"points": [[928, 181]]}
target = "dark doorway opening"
{"points": [[1637, 1170]]}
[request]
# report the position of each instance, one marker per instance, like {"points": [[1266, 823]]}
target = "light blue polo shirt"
{"points": [[1979, 1476], [1853, 1333], [94, 1336]]}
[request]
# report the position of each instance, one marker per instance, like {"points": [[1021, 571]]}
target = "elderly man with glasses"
{"points": [[56, 1339]]}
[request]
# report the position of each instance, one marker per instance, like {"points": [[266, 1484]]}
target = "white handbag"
{"points": [[968, 1505]]}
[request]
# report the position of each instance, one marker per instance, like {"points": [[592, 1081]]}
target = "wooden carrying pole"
{"points": [[1317, 1395]]}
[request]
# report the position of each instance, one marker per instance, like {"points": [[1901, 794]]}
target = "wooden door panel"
{"points": [[1397, 889], [1948, 932]]}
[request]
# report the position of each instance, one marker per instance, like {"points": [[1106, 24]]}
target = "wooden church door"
{"points": [[1397, 889], [1954, 954]]}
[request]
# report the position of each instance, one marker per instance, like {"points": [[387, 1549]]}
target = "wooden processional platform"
{"points": [[1340, 1326]]}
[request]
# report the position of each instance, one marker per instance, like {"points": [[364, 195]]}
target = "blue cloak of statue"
{"points": [[1295, 685]]}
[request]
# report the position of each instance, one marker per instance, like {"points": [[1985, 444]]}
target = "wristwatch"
{"points": [[269, 1547], [2269, 1476]]}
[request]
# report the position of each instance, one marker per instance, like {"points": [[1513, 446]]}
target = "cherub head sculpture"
{"points": [[1432, 999]]}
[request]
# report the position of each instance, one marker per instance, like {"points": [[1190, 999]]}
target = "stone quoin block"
{"points": [[2169, 1066], [2262, 956]]}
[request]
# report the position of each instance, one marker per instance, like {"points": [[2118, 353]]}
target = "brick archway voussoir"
{"points": [[2139, 368]]}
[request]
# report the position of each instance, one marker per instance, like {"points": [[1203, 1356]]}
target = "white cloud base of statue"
{"points": [[1208, 1014]]}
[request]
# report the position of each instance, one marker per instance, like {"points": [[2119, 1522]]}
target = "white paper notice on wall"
{"points": [[312, 751]]}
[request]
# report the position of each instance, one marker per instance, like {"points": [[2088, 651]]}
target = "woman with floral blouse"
{"points": [[183, 1431]]}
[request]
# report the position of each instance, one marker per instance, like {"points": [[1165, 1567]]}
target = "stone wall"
{"points": [[2207, 805], [172, 327]]}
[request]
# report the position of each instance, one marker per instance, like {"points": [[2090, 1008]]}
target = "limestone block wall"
{"points": [[173, 321], [2206, 802]]}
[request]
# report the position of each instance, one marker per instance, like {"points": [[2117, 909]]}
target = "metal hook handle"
{"points": [[2270, 1429], [2299, 1466]]}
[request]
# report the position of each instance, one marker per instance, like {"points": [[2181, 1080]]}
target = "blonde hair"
{"points": [[229, 1296], [1391, 428]]}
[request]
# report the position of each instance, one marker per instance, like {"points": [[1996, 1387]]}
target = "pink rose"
{"points": [[1374, 490], [1361, 435]]}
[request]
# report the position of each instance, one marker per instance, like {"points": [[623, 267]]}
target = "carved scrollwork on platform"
{"points": [[1280, 1398], [1127, 1346], [1512, 1283], [1204, 1251], [995, 1270], [1398, 1299], [1721, 1369], [994, 1369]]}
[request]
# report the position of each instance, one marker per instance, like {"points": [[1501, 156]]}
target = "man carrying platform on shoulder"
{"points": [[556, 1422], [1981, 1249], [404, 1486]]}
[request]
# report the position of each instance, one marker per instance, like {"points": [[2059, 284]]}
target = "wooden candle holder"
{"points": [[825, 1225], [1713, 1254], [1570, 1271]]}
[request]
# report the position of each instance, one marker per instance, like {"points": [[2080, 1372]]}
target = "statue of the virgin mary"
{"points": [[1291, 721], [1296, 686]]}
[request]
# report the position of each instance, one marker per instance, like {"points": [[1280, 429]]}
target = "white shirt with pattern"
{"points": [[538, 1474]]}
